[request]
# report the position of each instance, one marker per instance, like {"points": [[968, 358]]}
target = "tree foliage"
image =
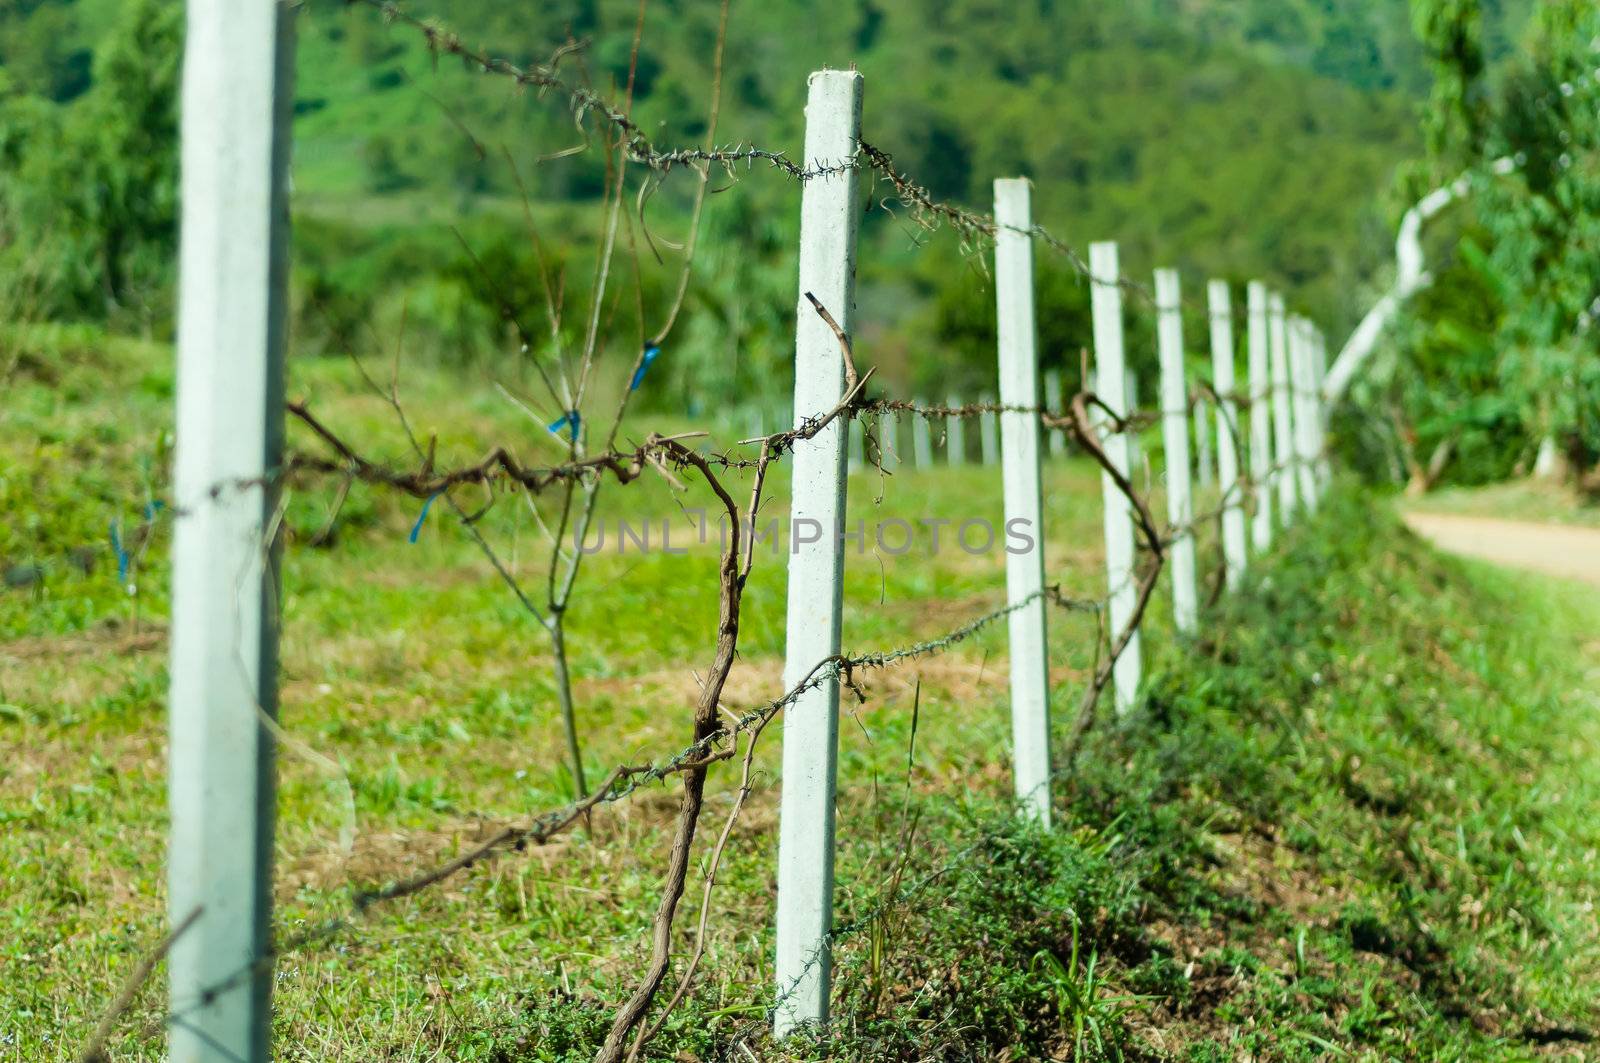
{"points": [[1544, 229], [1226, 137], [88, 199], [1501, 354], [1453, 120]]}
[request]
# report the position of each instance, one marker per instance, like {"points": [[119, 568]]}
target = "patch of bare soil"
{"points": [[111, 638], [1554, 549], [1252, 867]]}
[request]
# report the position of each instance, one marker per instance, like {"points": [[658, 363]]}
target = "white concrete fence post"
{"points": [[828, 221], [1024, 508], [988, 432], [1204, 461], [1260, 418], [1111, 384], [1234, 553], [233, 264], [1303, 385], [1130, 395], [1053, 401], [922, 437], [955, 433], [1175, 439], [889, 440], [1284, 476]]}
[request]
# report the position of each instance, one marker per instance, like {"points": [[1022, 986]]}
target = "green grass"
{"points": [[1356, 821]]}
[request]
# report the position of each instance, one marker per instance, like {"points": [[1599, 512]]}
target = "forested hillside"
{"points": [[1260, 137]]}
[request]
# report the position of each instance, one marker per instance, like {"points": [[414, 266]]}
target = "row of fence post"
{"points": [[229, 439], [1283, 450]]}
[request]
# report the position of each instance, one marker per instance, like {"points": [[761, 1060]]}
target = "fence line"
{"points": [[229, 467], [627, 780]]}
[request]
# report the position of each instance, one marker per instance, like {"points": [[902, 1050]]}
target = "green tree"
{"points": [[1544, 227], [90, 197], [1456, 113], [1501, 354], [126, 130]]}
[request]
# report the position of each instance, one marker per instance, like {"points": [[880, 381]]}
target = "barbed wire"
{"points": [[622, 784], [500, 466]]}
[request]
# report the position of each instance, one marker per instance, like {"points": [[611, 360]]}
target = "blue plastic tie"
{"points": [[572, 418], [416, 529], [651, 353], [116, 548]]}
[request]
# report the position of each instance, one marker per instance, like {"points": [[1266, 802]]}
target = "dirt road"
{"points": [[1554, 549]]}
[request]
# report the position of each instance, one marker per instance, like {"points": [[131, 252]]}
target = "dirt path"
{"points": [[1554, 549]]}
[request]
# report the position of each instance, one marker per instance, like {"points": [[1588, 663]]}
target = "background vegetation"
{"points": [[1248, 138], [1241, 139]]}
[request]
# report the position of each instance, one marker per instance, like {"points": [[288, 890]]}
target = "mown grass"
{"points": [[1354, 821]]}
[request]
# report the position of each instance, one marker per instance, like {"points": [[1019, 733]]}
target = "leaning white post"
{"points": [[1175, 438], [1282, 419], [233, 261], [1019, 449], [828, 217], [955, 433], [1222, 382], [1260, 418], [1110, 386], [1303, 386], [988, 432], [921, 437], [1052, 399]]}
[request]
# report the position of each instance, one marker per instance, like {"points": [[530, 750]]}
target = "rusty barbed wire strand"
{"points": [[624, 781]]}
